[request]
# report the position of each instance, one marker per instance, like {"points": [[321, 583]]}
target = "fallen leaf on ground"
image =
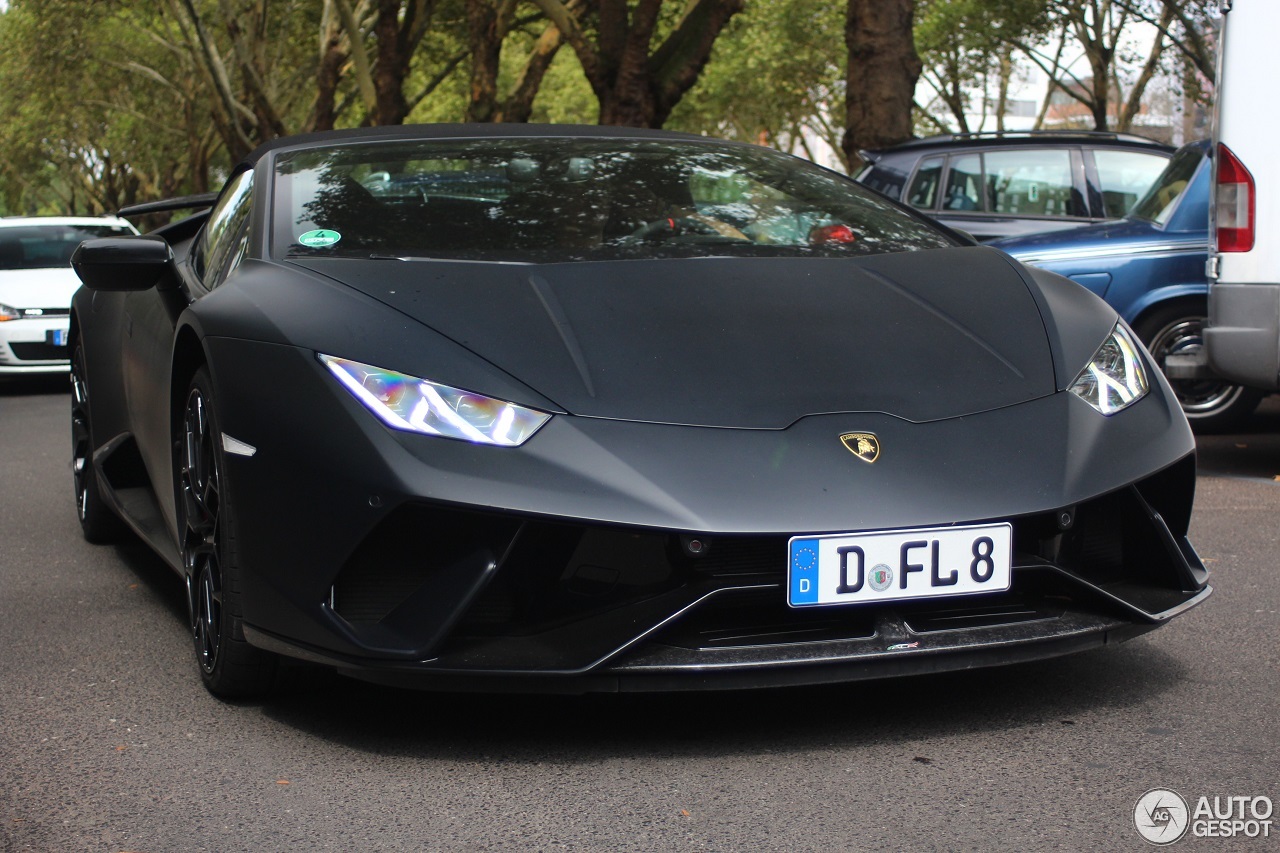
{"points": [[282, 781]]}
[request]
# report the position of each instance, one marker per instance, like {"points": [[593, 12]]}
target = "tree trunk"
{"points": [[328, 75], [953, 95], [519, 104], [882, 74], [635, 85], [392, 65], [1002, 96], [485, 36], [1133, 103]]}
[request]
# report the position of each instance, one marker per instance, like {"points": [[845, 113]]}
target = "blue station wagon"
{"points": [[1150, 267]]}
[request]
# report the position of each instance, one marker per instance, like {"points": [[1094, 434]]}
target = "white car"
{"points": [[36, 284]]}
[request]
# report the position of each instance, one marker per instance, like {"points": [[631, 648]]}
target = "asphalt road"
{"points": [[108, 742]]}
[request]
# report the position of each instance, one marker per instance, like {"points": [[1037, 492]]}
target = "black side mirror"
{"points": [[125, 263]]}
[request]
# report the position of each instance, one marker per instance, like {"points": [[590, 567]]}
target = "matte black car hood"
{"points": [[737, 342]]}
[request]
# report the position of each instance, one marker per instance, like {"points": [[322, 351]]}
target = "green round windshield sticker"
{"points": [[319, 239]]}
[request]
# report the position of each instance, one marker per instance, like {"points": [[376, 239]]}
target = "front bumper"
{"points": [[551, 605], [560, 565], [25, 347]]}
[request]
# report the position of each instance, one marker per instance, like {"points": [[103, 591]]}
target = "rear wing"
{"points": [[186, 202], [184, 229]]}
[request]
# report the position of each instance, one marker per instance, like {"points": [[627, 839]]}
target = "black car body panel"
{"points": [[695, 343], [638, 539]]}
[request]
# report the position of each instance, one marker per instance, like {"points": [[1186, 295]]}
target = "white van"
{"points": [[1242, 340]]}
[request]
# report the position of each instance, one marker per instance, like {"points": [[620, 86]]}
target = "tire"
{"points": [[98, 521], [1211, 405], [229, 667]]}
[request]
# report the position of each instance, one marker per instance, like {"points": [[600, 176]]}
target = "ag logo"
{"points": [[1161, 816], [863, 445]]}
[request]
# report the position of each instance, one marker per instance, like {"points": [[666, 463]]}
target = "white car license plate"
{"points": [[57, 337], [890, 565]]}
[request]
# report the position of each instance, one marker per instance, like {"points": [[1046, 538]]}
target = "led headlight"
{"points": [[7, 313], [409, 403], [1115, 377]]}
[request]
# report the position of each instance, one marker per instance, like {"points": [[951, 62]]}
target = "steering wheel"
{"points": [[693, 223]]}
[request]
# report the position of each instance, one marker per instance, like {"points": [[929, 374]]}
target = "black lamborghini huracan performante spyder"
{"points": [[589, 409]]}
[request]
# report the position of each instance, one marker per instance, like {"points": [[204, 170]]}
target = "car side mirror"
{"points": [[125, 263]]}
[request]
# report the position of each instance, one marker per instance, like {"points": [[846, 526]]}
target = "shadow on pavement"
{"points": [[574, 729], [1253, 451], [39, 385]]}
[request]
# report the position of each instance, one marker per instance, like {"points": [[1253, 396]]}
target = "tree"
{"points": [[636, 84], [1100, 28], [775, 79], [80, 134], [491, 24], [1186, 24], [882, 73], [964, 43], [244, 72]]}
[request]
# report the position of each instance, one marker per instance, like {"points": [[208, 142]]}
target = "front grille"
{"points": [[982, 612], [742, 556], [760, 617], [556, 572], [417, 552], [487, 589], [35, 351]]}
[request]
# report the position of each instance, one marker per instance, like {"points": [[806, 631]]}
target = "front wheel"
{"points": [[229, 666], [98, 522], [1211, 405]]}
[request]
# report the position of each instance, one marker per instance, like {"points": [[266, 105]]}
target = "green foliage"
{"points": [[777, 70], [565, 96], [105, 103], [108, 102], [964, 41]]}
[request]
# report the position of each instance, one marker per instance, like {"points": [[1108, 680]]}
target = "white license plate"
{"points": [[891, 565], [57, 337]]}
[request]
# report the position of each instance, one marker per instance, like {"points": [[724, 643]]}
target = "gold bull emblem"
{"points": [[863, 445]]}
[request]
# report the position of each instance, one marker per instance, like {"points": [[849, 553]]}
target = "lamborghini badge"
{"points": [[863, 445]]}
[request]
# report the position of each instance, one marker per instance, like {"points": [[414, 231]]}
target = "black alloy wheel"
{"points": [[229, 666], [98, 522]]}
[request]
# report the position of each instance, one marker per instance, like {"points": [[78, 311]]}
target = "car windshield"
{"points": [[1162, 199], [552, 200], [34, 247]]}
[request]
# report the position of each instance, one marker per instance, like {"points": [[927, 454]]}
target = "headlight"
{"points": [[7, 313], [1115, 378], [408, 403]]}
